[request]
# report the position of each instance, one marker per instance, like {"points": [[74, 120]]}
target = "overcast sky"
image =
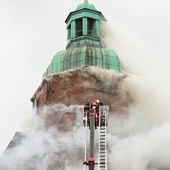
{"points": [[33, 31]]}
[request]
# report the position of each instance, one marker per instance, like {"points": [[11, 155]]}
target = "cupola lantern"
{"points": [[84, 23], [84, 46]]}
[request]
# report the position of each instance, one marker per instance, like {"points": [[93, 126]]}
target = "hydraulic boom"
{"points": [[95, 118]]}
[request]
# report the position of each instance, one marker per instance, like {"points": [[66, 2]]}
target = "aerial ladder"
{"points": [[95, 118]]}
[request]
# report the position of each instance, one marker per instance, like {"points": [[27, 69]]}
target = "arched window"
{"points": [[91, 27], [79, 27]]}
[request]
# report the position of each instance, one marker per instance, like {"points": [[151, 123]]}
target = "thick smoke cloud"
{"points": [[45, 147], [139, 140], [136, 143]]}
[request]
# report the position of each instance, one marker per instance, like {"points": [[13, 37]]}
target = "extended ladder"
{"points": [[102, 152], [95, 118]]}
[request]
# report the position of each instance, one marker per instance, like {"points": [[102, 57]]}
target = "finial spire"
{"points": [[86, 2]]}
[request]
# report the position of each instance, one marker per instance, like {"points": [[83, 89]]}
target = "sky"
{"points": [[33, 31]]}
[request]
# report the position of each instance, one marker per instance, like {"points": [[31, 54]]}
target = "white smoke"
{"points": [[144, 149], [45, 148], [148, 81], [42, 149], [140, 139]]}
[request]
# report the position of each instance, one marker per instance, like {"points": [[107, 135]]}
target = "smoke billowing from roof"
{"points": [[140, 140]]}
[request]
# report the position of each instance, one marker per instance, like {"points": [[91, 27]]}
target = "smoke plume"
{"points": [[140, 140], [43, 147]]}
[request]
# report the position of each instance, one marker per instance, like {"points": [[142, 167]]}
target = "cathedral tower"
{"points": [[85, 70]]}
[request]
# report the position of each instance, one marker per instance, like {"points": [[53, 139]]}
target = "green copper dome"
{"points": [[84, 46], [86, 5], [83, 56]]}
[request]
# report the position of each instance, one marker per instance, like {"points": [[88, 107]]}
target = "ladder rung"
{"points": [[102, 160]]}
